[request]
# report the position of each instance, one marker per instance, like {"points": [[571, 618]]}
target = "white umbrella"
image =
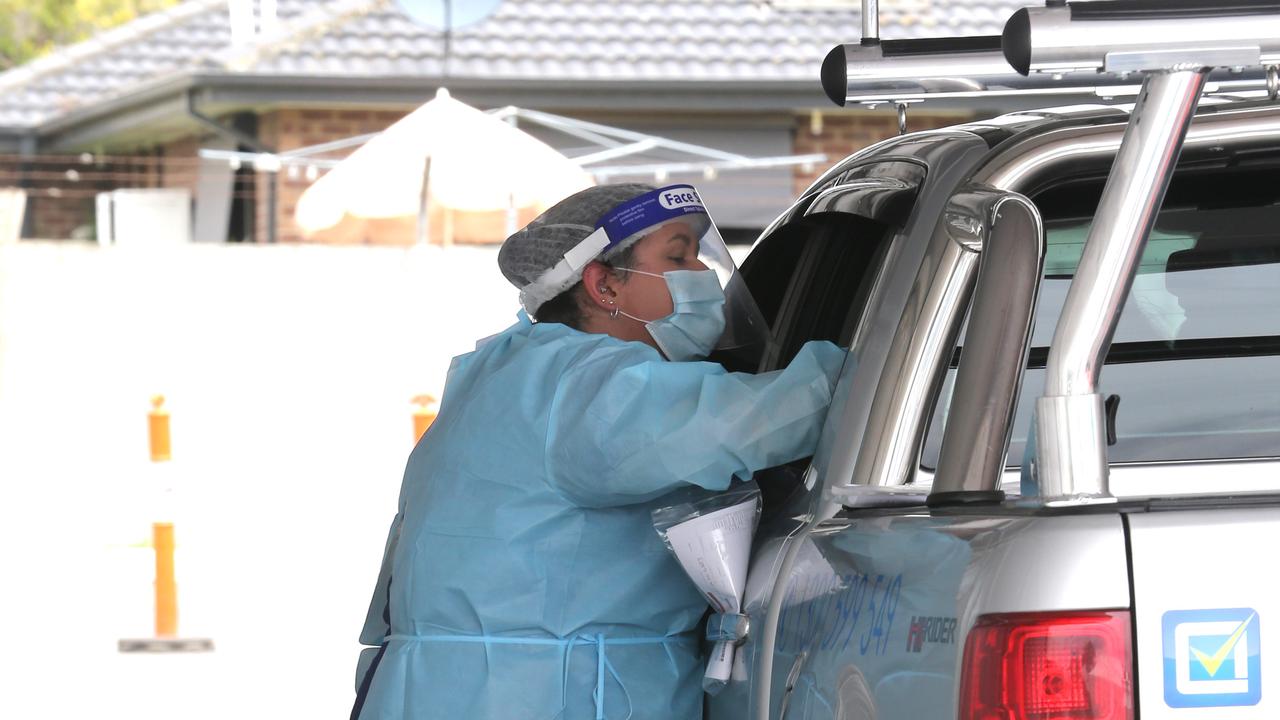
{"points": [[468, 161]]}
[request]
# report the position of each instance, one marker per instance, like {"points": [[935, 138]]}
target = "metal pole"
{"points": [[272, 205], [448, 36], [512, 215], [870, 22], [1071, 425], [424, 217]]}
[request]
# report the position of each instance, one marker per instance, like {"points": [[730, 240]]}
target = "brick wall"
{"points": [[841, 133], [179, 164], [292, 128], [61, 189], [59, 218]]}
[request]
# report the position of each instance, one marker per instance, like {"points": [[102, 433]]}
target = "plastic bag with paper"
{"points": [[710, 536]]}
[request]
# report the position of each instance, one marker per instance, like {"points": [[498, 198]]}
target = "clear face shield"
{"points": [[677, 211]]}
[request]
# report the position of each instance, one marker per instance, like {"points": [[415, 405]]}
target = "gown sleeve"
{"points": [[624, 432]]}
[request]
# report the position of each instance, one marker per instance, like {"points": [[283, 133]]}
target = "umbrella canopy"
{"points": [[473, 162]]}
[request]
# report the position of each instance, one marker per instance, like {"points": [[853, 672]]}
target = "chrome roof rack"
{"points": [[1077, 49]]}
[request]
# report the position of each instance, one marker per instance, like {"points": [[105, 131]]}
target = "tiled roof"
{"points": [[569, 40], [190, 37]]}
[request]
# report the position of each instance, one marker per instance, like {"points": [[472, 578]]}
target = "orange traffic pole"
{"points": [[166, 586], [162, 532], [166, 637], [424, 413], [158, 429]]}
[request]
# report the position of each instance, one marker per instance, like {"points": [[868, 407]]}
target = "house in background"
{"points": [[132, 107]]}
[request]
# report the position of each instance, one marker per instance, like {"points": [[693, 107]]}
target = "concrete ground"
{"points": [[289, 372]]}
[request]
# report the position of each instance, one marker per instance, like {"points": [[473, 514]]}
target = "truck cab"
{"points": [[1052, 464]]}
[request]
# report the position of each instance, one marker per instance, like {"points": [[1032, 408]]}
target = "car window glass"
{"points": [[811, 279], [1196, 355], [826, 288]]}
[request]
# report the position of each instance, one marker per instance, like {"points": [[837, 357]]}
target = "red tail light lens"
{"points": [[1048, 666]]}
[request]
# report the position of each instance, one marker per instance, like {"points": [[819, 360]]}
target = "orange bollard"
{"points": [[424, 413], [166, 585], [158, 429], [166, 590], [162, 532]]}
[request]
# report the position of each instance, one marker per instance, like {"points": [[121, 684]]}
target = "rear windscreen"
{"points": [[1196, 356]]}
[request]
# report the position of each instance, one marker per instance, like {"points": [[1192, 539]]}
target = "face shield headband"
{"points": [[745, 333], [617, 229]]}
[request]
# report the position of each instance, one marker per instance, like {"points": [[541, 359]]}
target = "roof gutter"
{"points": [[544, 93], [73, 123], [238, 90]]}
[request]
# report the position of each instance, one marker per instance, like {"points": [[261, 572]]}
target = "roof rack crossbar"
{"points": [[1074, 39], [1072, 49], [1169, 9]]}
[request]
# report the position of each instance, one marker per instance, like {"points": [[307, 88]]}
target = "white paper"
{"points": [[714, 549], [739, 673], [720, 666]]}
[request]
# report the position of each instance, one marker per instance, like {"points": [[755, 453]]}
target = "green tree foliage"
{"points": [[31, 28]]}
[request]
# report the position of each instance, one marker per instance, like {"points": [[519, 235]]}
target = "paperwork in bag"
{"points": [[711, 539], [714, 550]]}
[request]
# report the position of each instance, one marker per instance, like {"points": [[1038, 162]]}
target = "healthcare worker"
{"points": [[522, 577]]}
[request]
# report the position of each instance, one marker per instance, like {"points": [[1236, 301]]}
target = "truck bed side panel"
{"points": [[1207, 610]]}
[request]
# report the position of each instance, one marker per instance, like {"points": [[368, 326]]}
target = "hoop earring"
{"points": [[614, 314]]}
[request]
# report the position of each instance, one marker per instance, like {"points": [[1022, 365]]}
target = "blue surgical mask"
{"points": [[696, 322]]}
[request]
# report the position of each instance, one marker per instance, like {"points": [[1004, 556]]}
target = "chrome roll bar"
{"points": [[923, 339], [1026, 165], [990, 376], [1071, 424]]}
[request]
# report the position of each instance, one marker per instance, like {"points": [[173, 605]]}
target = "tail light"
{"points": [[1048, 666]]}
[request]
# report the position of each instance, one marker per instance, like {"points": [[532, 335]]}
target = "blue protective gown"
{"points": [[522, 576]]}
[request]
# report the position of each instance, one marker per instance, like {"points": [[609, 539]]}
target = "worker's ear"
{"points": [[601, 284]]}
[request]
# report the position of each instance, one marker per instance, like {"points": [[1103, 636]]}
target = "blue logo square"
{"points": [[1212, 658]]}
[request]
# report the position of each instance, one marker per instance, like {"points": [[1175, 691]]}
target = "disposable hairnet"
{"points": [[529, 253]]}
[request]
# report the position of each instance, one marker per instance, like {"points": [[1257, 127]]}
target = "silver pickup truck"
{"points": [[1050, 476]]}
